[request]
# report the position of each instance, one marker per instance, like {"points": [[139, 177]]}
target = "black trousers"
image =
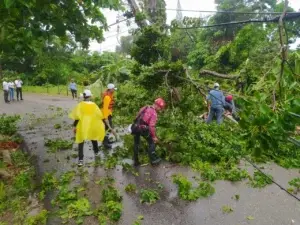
{"points": [[6, 96], [74, 93], [80, 149], [106, 139], [151, 145], [19, 93]]}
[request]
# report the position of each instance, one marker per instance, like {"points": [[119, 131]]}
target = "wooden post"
{"points": [[284, 47]]}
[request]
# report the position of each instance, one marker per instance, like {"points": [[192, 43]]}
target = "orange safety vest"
{"points": [[112, 102]]}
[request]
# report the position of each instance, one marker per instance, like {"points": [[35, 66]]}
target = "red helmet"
{"points": [[229, 98], [160, 103]]}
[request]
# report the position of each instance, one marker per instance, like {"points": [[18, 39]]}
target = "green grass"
{"points": [[51, 90]]}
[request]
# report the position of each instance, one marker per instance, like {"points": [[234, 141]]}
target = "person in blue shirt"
{"points": [[217, 100], [73, 89]]}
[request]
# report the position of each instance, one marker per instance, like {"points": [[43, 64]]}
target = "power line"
{"points": [[273, 20], [228, 12], [116, 34], [273, 181], [225, 24], [120, 21]]}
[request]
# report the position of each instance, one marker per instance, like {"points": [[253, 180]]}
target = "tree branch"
{"points": [[218, 75], [194, 83]]}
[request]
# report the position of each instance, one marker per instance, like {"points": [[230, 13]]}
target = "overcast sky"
{"points": [[203, 5]]}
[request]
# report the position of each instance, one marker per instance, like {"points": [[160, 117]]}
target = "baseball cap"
{"points": [[216, 85], [87, 93], [111, 86]]}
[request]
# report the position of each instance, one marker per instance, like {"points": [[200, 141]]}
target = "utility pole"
{"points": [[179, 16]]}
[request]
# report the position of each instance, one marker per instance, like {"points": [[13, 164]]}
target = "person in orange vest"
{"points": [[107, 109]]}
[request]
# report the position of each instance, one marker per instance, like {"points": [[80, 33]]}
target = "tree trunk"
{"points": [[135, 10]]}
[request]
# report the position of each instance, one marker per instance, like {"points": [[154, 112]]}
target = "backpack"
{"points": [[136, 126]]}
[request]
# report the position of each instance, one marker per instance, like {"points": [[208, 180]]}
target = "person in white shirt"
{"points": [[19, 83], [5, 90], [11, 86]]}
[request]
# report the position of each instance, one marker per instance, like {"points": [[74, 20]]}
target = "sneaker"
{"points": [[80, 163], [155, 161]]}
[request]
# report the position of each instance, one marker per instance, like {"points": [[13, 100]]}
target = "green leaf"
{"points": [[140, 217], [250, 218], [264, 109], [8, 3]]}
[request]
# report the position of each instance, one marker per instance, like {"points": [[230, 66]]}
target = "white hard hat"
{"points": [[111, 86], [216, 85], [87, 93]]}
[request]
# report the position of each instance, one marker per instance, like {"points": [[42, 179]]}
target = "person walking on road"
{"points": [[5, 90], [217, 99], [73, 88], [19, 84], [88, 125], [11, 86], [144, 125], [107, 109]]}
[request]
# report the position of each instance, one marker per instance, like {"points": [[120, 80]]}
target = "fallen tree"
{"points": [[218, 75]]}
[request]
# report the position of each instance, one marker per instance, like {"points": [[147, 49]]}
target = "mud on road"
{"points": [[267, 206]]}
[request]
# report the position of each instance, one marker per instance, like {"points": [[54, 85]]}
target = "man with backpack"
{"points": [[144, 125], [217, 99]]}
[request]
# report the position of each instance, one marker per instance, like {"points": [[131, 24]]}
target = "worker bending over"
{"points": [[144, 125], [230, 107], [217, 100]]}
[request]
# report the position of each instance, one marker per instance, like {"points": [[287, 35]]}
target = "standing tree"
{"points": [[24, 25]]}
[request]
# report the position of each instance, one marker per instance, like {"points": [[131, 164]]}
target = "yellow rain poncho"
{"points": [[90, 125]]}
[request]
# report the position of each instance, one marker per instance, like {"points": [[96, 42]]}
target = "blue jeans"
{"points": [[11, 94], [215, 111]]}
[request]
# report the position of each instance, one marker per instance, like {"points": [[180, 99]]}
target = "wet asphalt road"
{"points": [[267, 206]]}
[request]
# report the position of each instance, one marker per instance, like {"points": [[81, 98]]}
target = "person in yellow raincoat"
{"points": [[88, 124]]}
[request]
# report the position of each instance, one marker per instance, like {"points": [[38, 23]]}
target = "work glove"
{"points": [[155, 139]]}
